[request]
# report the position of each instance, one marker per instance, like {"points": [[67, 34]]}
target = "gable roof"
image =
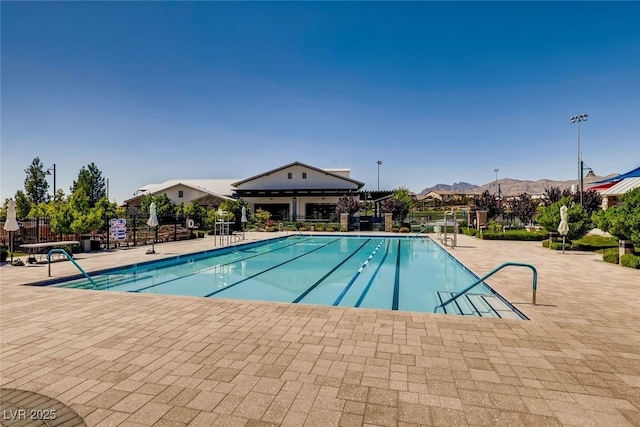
{"points": [[631, 174], [221, 188], [324, 171], [621, 187]]}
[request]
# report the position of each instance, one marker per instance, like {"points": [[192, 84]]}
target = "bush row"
{"points": [[630, 260], [515, 235]]}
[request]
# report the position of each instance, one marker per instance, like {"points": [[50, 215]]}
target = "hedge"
{"points": [[3, 255], [515, 235], [594, 243], [556, 246], [611, 255], [630, 260]]}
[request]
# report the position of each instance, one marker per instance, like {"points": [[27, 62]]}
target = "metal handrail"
{"points": [[420, 232], [70, 258], [491, 273]]}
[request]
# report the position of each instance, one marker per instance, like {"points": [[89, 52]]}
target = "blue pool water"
{"points": [[373, 272]]}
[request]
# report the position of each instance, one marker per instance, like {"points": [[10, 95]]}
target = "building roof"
{"points": [[221, 188], [621, 187], [325, 171], [631, 174]]}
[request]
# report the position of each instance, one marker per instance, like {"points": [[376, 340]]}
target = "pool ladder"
{"points": [[491, 273], [70, 258]]}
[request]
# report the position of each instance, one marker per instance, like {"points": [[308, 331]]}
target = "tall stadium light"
{"points": [[577, 119], [379, 162], [496, 170]]}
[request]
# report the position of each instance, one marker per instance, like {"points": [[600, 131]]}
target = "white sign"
{"points": [[118, 229]]}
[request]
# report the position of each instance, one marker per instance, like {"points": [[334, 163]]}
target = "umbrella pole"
{"points": [[11, 245], [562, 244]]}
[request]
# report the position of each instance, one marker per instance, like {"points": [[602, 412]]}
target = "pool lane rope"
{"points": [[355, 276]]}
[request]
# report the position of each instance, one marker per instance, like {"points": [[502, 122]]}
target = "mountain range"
{"points": [[510, 186]]}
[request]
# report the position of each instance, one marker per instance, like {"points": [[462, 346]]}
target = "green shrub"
{"points": [[269, 229], [334, 225], [319, 227], [404, 230], [630, 260], [611, 255], [556, 246], [395, 230], [515, 235], [3, 255], [495, 227], [594, 243], [469, 231], [329, 229], [200, 234], [303, 229], [578, 218], [343, 229]]}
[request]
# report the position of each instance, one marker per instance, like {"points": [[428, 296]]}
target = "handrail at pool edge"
{"points": [[491, 273], [70, 258]]}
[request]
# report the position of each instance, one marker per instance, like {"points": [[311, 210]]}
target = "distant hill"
{"points": [[509, 186]]}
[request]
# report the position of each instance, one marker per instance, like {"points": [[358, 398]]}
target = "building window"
{"points": [[289, 175], [180, 193], [304, 175]]}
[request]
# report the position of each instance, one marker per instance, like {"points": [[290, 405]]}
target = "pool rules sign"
{"points": [[118, 229]]}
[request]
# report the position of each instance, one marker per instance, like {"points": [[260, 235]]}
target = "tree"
{"points": [[23, 204], [578, 219], [591, 201], [36, 186], [3, 210], [348, 204], [552, 195], [399, 204], [490, 203], [622, 221], [195, 212], [397, 208], [165, 209], [90, 181], [524, 208]]}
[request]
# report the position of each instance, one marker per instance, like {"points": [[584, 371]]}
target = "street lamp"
{"points": [[48, 172], [496, 170], [589, 175], [577, 119], [379, 162]]}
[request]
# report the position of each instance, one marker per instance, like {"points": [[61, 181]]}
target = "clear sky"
{"points": [[440, 92]]}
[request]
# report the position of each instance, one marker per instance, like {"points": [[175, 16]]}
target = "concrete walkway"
{"points": [[120, 359]]}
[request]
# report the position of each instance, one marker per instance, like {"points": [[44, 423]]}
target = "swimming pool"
{"points": [[396, 273]]}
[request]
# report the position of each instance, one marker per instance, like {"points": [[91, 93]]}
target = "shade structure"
{"points": [[631, 174], [11, 224], [563, 228], [153, 222]]}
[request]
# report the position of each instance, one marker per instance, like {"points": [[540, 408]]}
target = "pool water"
{"points": [[397, 273]]}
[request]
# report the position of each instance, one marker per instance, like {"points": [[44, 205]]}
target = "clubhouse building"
{"points": [[295, 191]]}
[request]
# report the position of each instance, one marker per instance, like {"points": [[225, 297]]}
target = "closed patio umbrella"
{"points": [[152, 222], [563, 228], [243, 218], [11, 224]]}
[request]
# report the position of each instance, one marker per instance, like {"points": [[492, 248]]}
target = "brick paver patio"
{"points": [[121, 359]]}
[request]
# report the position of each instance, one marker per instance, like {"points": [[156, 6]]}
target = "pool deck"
{"points": [[121, 359]]}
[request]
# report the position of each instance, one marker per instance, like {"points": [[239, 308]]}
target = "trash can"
{"points": [[85, 243]]}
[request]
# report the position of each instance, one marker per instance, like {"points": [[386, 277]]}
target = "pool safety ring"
{"points": [[190, 223]]}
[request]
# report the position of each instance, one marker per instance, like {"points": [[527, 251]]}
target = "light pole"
{"points": [[496, 170], [53, 168], [577, 119], [379, 162]]}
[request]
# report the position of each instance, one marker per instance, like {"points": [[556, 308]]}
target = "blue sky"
{"points": [[440, 92]]}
